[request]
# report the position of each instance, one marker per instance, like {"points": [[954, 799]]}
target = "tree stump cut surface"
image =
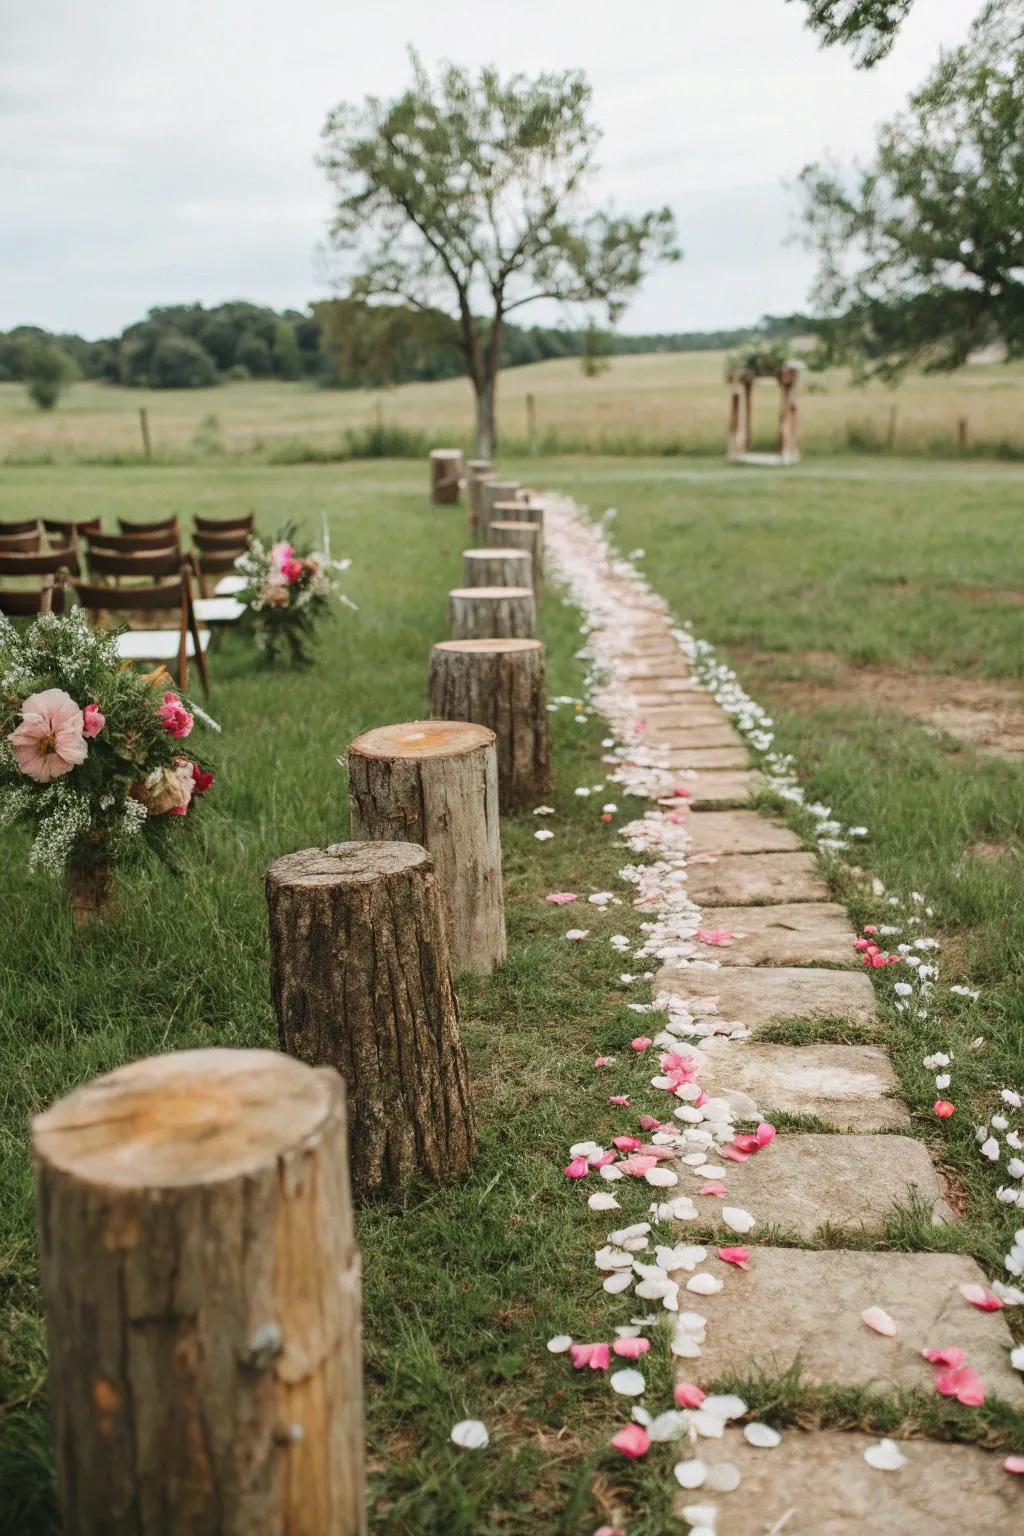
{"points": [[202, 1292], [435, 782], [492, 613], [499, 684]]}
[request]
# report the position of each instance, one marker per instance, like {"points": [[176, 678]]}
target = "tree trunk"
{"points": [[529, 537], [492, 492], [492, 613], [500, 684], [436, 783], [497, 567], [202, 1290], [92, 893], [361, 980], [445, 475], [486, 423], [477, 470]]}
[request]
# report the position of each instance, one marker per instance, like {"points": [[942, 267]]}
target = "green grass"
{"points": [[464, 1284]]}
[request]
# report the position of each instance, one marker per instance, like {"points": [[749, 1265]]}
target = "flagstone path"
{"points": [[792, 957]]}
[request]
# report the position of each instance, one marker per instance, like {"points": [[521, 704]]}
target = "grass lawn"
{"points": [[464, 1285]]}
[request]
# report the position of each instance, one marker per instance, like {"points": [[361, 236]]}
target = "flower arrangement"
{"points": [[287, 594], [91, 754]]}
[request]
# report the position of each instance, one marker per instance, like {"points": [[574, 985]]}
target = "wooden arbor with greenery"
{"points": [[743, 370], [467, 195]]}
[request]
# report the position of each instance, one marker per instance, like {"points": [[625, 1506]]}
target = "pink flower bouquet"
{"points": [[286, 595]]}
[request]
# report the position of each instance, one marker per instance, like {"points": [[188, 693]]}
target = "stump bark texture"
{"points": [[492, 613], [523, 510], [499, 684], [202, 1291], [445, 475], [436, 783], [92, 890], [497, 567], [493, 490], [477, 470], [528, 537], [361, 981]]}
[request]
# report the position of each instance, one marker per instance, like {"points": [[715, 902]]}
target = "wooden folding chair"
{"points": [[28, 525], [129, 543], [224, 524], [20, 543], [67, 531], [167, 524], [23, 602], [40, 565], [188, 641], [138, 564], [216, 554]]}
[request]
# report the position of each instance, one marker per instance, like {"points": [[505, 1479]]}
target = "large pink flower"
{"points": [[281, 553], [174, 717], [50, 740]]}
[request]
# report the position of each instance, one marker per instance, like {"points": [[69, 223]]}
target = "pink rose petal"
{"points": [[632, 1441], [577, 1169], [640, 1043], [963, 1384], [622, 1099], [627, 1143], [649, 1122], [951, 1357], [637, 1166], [981, 1297], [561, 898], [738, 1256], [595, 1356], [631, 1349], [732, 1154], [713, 1187], [603, 1061], [602, 1160], [765, 1133], [687, 1395], [1014, 1464], [879, 1320]]}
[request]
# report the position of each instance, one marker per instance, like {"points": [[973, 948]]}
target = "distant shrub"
{"points": [[47, 371], [178, 362]]}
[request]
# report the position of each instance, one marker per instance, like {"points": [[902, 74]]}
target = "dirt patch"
{"points": [[986, 713], [990, 851]]}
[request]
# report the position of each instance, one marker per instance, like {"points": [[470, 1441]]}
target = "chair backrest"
{"points": [[161, 595], [22, 602], [161, 527], [29, 525], [212, 562], [69, 530], [134, 543], [140, 562], [40, 565], [20, 543], [224, 524], [236, 539]]}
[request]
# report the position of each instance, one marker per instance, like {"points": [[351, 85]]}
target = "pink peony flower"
{"points": [[93, 720], [633, 1441], [174, 717], [50, 740], [201, 781], [291, 570], [281, 553]]}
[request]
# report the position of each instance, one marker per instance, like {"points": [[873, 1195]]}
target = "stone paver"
{"points": [[817, 1483], [762, 995], [711, 735], [701, 757], [719, 786], [796, 1306], [790, 933], [739, 832], [739, 879], [845, 1086], [680, 709], [801, 1182]]}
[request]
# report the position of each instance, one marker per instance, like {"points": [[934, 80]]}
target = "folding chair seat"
{"points": [[186, 641]]}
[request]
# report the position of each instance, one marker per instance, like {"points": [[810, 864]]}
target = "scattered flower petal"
{"points": [[470, 1435]]}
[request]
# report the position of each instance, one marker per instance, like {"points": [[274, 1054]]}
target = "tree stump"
{"points": [[92, 891], [361, 980], [445, 475], [492, 613], [524, 510], [436, 783], [529, 537], [202, 1291], [477, 470], [500, 684], [497, 567], [492, 490]]}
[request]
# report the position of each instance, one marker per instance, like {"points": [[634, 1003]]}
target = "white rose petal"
{"points": [[470, 1435], [559, 1344], [629, 1383], [886, 1456], [762, 1436]]}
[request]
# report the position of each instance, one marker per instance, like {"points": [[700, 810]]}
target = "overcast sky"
{"points": [[160, 153]]}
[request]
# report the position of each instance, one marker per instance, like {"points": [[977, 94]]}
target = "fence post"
{"points": [[531, 424], [961, 434], [202, 1289], [892, 427], [147, 446]]}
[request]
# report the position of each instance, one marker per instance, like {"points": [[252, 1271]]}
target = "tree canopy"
{"points": [[870, 26], [466, 194], [921, 252]]}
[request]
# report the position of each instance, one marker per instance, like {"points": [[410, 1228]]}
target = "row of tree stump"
{"points": [[200, 1272]]}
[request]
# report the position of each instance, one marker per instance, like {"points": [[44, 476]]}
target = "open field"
{"points": [[661, 403], [805, 579]]}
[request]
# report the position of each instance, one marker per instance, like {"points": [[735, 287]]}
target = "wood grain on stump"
{"points": [[361, 980], [499, 684], [202, 1291], [528, 537], [435, 782], [492, 613], [492, 567], [445, 475], [494, 490]]}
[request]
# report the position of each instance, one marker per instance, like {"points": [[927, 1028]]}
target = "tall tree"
{"points": [[921, 253], [468, 194], [870, 25]]}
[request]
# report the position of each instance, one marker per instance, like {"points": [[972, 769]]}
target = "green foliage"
{"points": [[178, 362], [254, 354], [762, 357], [462, 192], [921, 253], [373, 345], [47, 370], [870, 25], [287, 358]]}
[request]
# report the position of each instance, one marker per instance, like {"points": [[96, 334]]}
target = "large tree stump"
{"points": [[529, 537], [436, 783], [500, 684], [477, 470], [492, 490], [445, 475], [492, 613], [497, 567], [361, 980], [202, 1291]]}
